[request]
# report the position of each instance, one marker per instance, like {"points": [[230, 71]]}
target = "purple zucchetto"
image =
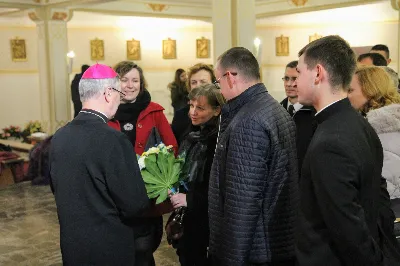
{"points": [[99, 71]]}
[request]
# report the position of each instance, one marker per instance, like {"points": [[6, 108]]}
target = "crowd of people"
{"points": [[312, 180]]}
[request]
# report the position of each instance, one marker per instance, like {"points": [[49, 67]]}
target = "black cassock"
{"points": [[98, 190]]}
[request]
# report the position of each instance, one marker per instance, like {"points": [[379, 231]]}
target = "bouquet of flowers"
{"points": [[32, 127], [11, 132], [160, 171]]}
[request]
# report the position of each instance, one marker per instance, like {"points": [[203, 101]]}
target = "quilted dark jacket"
{"points": [[253, 193]]}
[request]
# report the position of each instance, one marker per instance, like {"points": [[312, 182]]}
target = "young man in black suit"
{"points": [[302, 115], [340, 181]]}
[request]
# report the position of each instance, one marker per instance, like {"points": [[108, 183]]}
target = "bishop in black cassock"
{"points": [[96, 179]]}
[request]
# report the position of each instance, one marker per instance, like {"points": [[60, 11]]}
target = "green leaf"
{"points": [[153, 169], [153, 188], [152, 157], [155, 193], [163, 196], [162, 164], [149, 178]]}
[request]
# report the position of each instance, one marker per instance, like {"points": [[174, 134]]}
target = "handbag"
{"points": [[154, 139], [174, 226]]}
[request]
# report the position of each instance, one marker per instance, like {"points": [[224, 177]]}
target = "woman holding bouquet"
{"points": [[198, 146], [139, 118]]}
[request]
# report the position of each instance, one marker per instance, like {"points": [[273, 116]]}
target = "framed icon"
{"points": [[169, 49], [133, 49], [282, 46], [203, 48], [97, 49], [18, 50], [314, 37]]}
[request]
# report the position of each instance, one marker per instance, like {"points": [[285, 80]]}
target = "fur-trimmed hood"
{"points": [[385, 119]]}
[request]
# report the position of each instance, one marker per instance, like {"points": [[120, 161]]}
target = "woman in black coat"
{"points": [[179, 92], [199, 147]]}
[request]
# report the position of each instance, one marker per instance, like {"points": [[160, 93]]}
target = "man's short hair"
{"points": [[335, 55], [90, 88], [242, 60], [381, 47], [292, 64], [377, 59]]}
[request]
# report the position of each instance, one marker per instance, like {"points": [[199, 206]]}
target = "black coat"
{"points": [[199, 147], [305, 127], [253, 182], [340, 192], [98, 190]]}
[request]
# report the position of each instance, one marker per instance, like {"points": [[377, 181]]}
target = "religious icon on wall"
{"points": [[18, 50], [282, 46], [314, 37], [202, 48], [133, 49], [169, 49], [97, 49]]}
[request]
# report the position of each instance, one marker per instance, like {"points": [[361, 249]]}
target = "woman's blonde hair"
{"points": [[377, 87]]}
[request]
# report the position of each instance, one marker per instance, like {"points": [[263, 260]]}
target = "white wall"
{"points": [[361, 26], [20, 97]]}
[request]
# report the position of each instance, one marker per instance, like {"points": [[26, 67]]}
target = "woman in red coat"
{"points": [[136, 116]]}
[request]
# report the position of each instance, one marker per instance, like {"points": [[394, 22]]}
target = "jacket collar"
{"points": [[234, 105], [385, 119], [331, 110], [152, 107], [90, 114]]}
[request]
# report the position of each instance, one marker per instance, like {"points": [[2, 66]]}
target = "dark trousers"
{"points": [[145, 245]]}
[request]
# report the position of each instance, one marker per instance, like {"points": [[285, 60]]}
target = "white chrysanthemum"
{"points": [[161, 145], [153, 150], [141, 163]]}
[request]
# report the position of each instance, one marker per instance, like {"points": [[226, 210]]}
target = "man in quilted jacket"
{"points": [[253, 190]]}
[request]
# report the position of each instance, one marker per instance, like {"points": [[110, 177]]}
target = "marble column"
{"points": [[234, 24], [55, 96]]}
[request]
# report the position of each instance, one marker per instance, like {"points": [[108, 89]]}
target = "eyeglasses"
{"points": [[286, 78], [228, 72], [121, 94]]}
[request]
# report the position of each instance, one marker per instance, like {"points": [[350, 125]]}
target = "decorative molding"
{"points": [[158, 7], [142, 14], [299, 2], [59, 16], [313, 8]]}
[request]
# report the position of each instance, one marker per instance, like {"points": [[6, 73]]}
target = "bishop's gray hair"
{"points": [[90, 88]]}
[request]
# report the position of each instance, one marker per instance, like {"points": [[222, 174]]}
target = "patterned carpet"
{"points": [[29, 231]]}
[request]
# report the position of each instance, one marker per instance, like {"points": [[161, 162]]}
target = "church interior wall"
{"points": [[20, 101]]}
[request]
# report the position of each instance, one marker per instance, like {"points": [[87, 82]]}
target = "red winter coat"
{"points": [[150, 117]]}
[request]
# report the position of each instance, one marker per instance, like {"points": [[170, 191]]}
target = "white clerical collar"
{"points": [[297, 106], [327, 106]]}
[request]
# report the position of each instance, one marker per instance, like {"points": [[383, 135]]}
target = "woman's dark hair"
{"points": [[212, 94], [178, 74], [123, 67]]}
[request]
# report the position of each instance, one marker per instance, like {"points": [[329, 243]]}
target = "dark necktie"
{"points": [[291, 110]]}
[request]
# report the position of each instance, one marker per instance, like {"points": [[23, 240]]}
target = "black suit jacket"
{"points": [[339, 191], [98, 190], [305, 127]]}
